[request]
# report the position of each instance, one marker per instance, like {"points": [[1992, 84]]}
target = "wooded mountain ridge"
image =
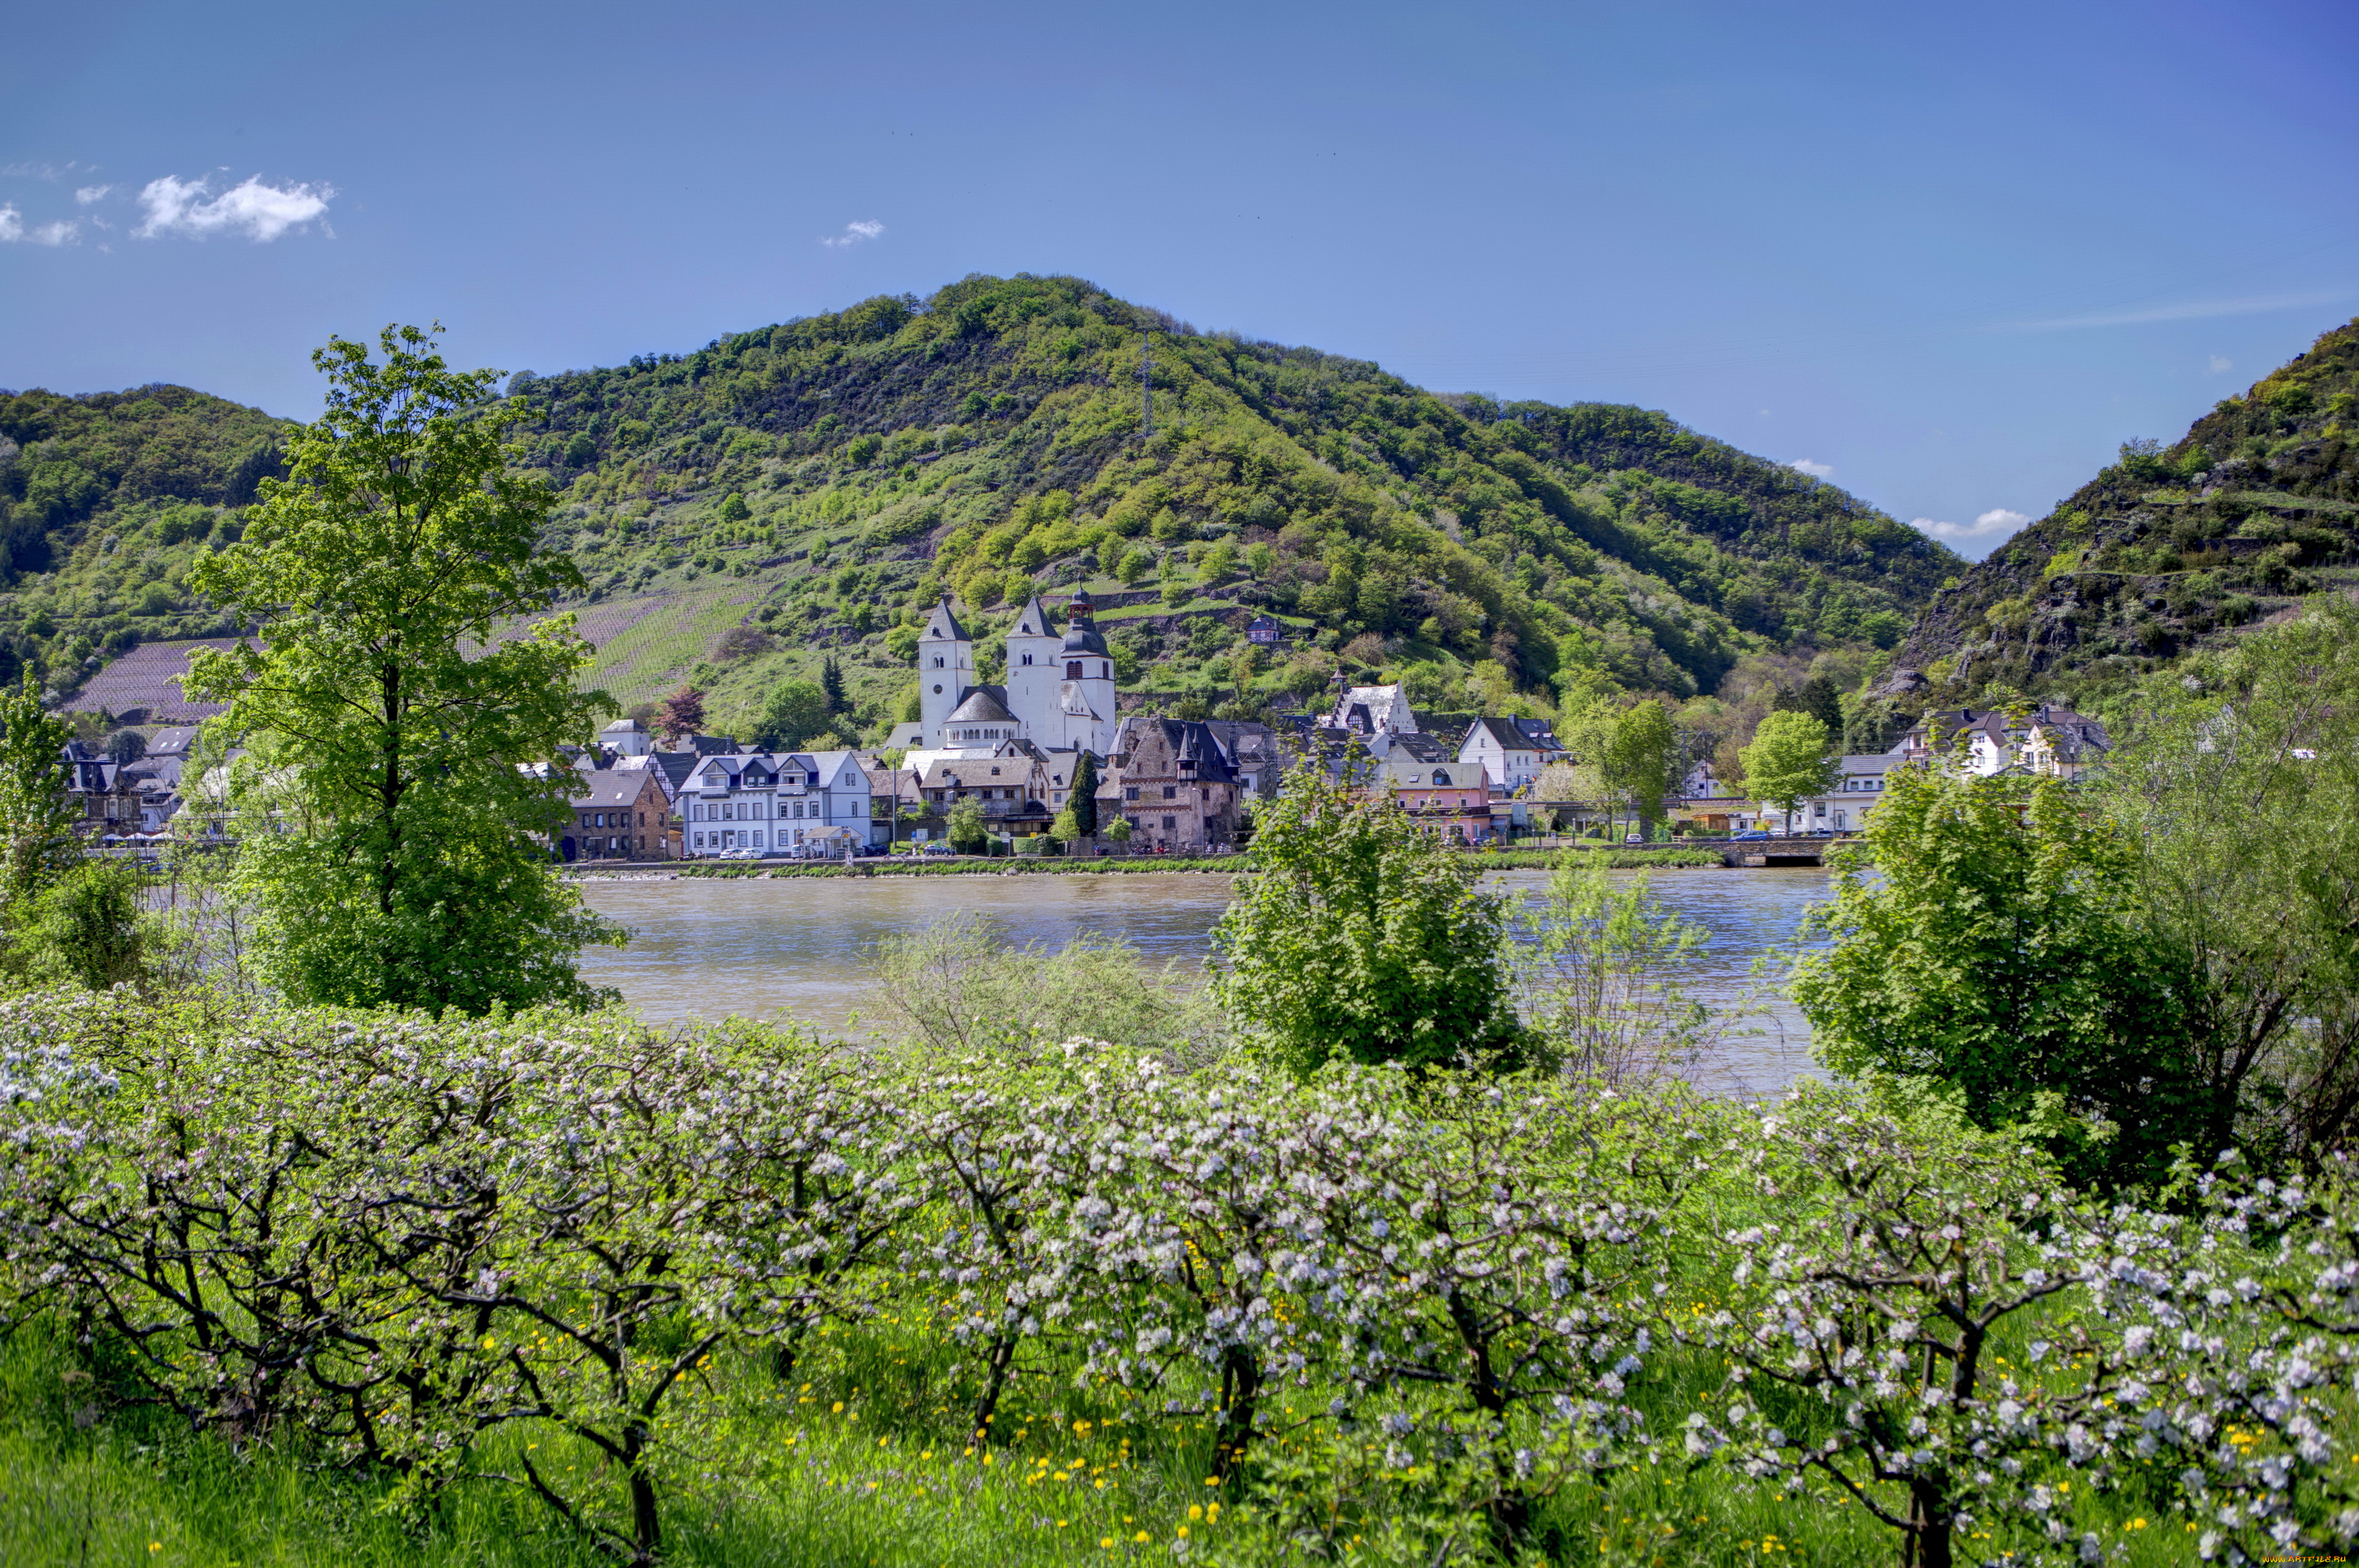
{"points": [[800, 490]]}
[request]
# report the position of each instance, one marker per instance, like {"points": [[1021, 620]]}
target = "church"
{"points": [[1057, 694]]}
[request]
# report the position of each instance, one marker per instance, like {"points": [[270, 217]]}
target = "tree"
{"points": [[1640, 759], [36, 814], [1787, 762], [1820, 698], [126, 747], [682, 713], [1116, 831], [967, 834], [1986, 941], [86, 927], [2241, 791], [396, 853], [831, 687], [1362, 938], [794, 712], [1083, 799], [733, 508]]}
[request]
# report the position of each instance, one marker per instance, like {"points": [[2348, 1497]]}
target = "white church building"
{"points": [[1058, 695]]}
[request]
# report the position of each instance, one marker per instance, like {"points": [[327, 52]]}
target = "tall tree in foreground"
{"points": [[1361, 937], [390, 849]]}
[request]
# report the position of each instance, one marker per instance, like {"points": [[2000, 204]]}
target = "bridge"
{"points": [[1781, 851]]}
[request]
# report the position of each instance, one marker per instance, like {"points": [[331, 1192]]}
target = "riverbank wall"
{"points": [[1668, 856]]}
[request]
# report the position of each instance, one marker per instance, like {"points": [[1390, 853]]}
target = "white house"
{"points": [[2045, 739], [1511, 751], [774, 802]]}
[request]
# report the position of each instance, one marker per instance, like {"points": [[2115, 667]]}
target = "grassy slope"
{"points": [[2168, 550]]}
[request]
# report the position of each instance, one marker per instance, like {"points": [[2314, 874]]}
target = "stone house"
{"points": [[617, 815], [1175, 783]]}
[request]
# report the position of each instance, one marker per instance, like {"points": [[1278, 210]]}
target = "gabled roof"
{"points": [[1514, 735], [1032, 620], [607, 787]]}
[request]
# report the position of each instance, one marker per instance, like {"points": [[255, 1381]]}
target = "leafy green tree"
{"points": [[1787, 762], [2241, 790], [35, 812], [1083, 799], [1362, 938], [734, 509], [792, 714], [396, 852], [966, 831], [1987, 942], [87, 927], [1641, 761], [1116, 831]]}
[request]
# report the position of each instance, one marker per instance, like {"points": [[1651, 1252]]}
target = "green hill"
{"points": [[104, 500], [2169, 550], [796, 492]]}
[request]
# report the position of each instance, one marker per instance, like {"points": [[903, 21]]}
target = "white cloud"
{"points": [[59, 233], [262, 212], [90, 193], [2194, 311], [1997, 521], [1815, 470], [2219, 363], [865, 229], [12, 227]]}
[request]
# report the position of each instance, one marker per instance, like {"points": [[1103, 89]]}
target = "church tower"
{"points": [[1085, 693], [1033, 672], [945, 669]]}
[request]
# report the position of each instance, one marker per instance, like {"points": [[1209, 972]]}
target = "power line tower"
{"points": [[1147, 381]]}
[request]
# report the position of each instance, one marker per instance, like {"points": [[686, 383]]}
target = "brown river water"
{"points": [[799, 947]]}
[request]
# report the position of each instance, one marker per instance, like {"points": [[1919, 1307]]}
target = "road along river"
{"points": [[799, 946]]}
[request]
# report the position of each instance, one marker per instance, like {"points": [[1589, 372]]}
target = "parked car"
{"points": [[934, 847], [1750, 832]]}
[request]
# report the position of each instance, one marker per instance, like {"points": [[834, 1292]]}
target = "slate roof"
{"points": [[607, 787], [981, 705]]}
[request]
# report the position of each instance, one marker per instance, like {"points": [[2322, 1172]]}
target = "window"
{"points": [[938, 664], [1072, 668], [1170, 823], [1170, 792], [758, 840], [1027, 658], [1130, 792], [938, 690], [1105, 672]]}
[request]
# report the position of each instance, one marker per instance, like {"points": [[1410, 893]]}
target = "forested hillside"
{"points": [[795, 492], [2168, 549], [104, 500]]}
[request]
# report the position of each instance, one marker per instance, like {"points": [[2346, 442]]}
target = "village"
{"points": [[1013, 756]]}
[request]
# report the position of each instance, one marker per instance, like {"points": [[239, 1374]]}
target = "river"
{"points": [[798, 947]]}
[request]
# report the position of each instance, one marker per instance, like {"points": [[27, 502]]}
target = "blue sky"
{"points": [[1951, 256]]}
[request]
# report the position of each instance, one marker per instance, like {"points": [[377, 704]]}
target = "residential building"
{"points": [[1452, 799], [618, 815], [627, 737], [1368, 711], [1263, 631], [777, 802], [1175, 782], [1058, 693], [1010, 787], [2044, 739], [1510, 751]]}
